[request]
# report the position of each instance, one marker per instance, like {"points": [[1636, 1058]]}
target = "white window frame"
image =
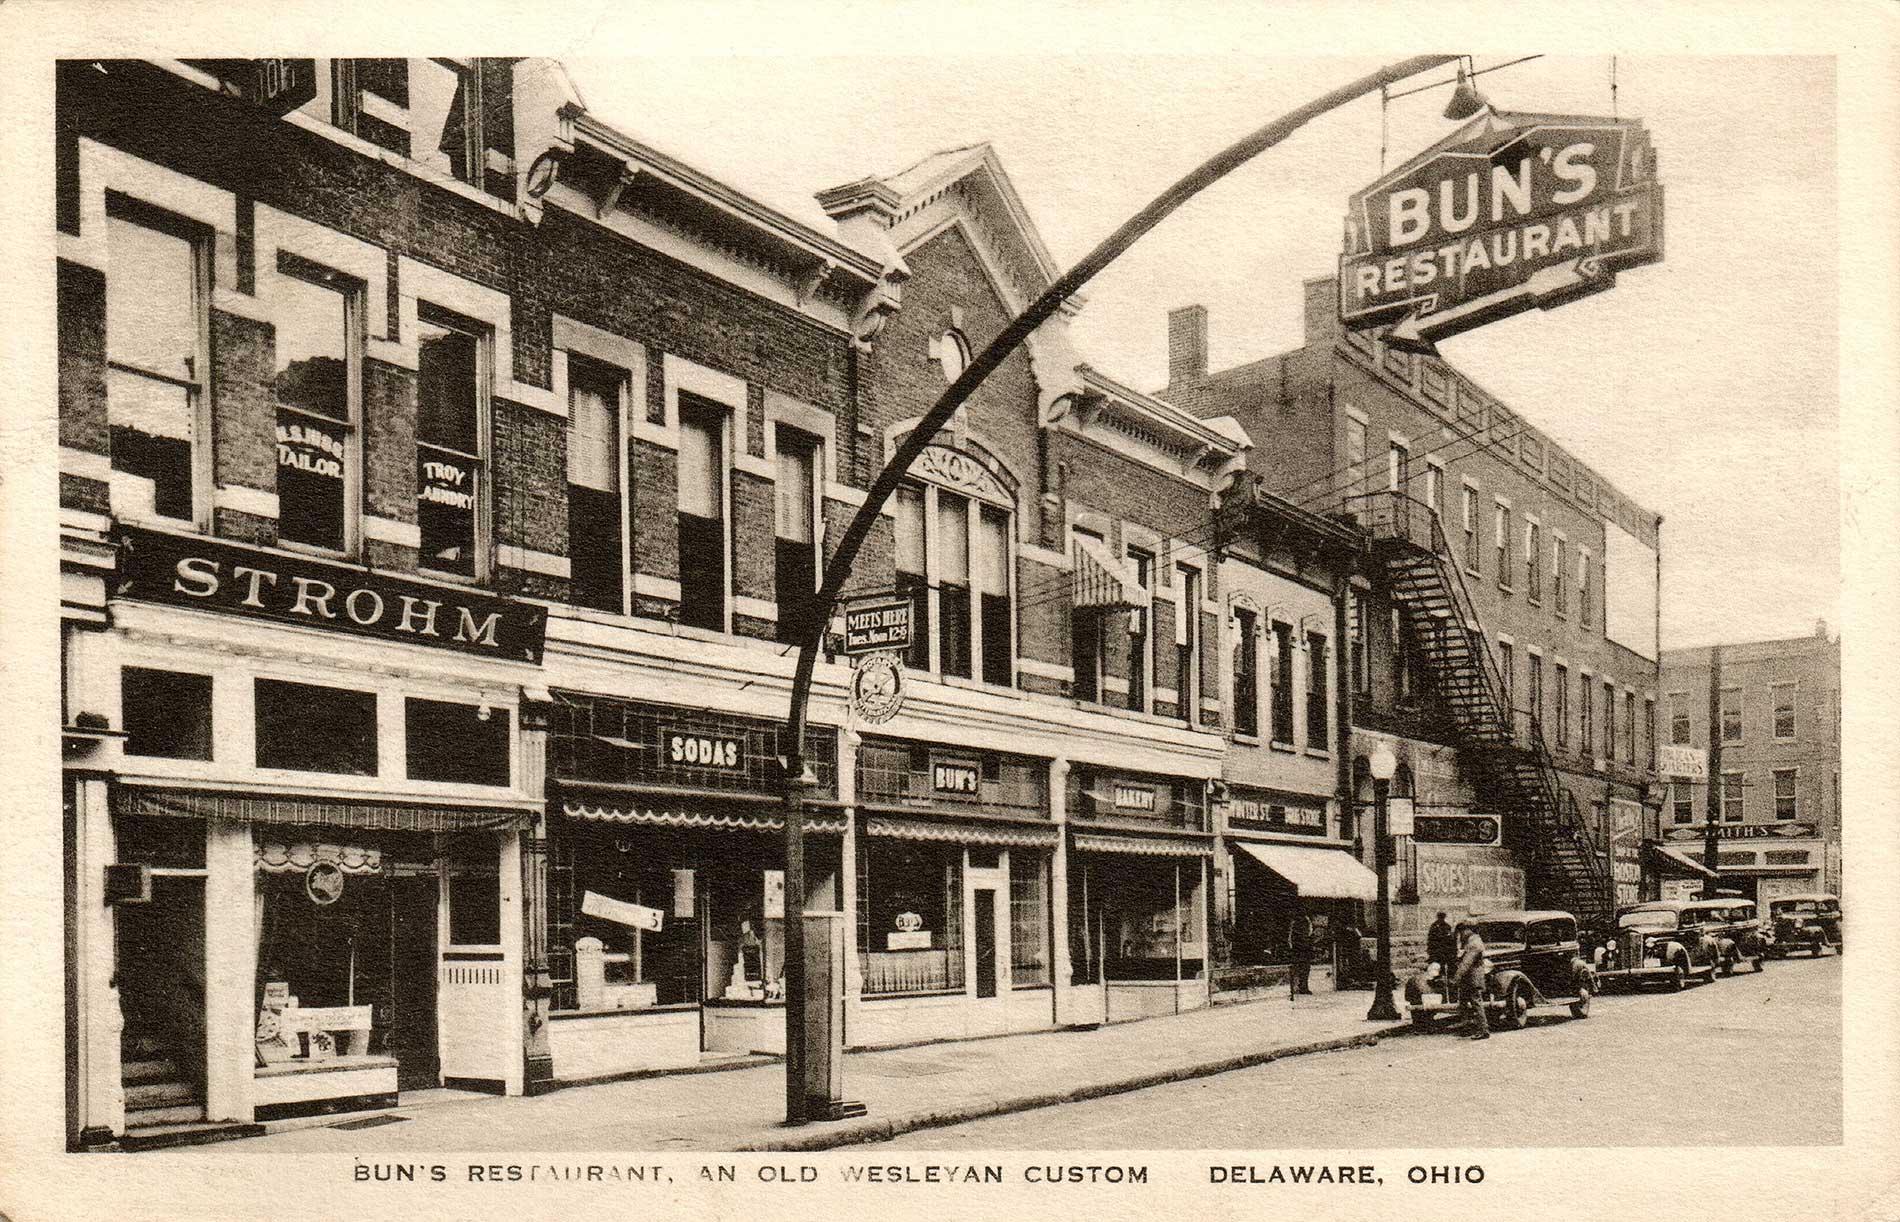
{"points": [[1583, 586], [572, 337], [486, 343], [1741, 796], [1687, 715], [1469, 509], [1533, 561], [1501, 527], [1741, 715], [1559, 577], [1793, 773], [1794, 709]]}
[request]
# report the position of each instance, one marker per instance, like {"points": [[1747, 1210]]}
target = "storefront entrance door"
{"points": [[161, 974], [987, 889], [412, 1017]]}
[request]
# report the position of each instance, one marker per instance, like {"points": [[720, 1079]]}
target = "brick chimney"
{"points": [[1187, 344]]}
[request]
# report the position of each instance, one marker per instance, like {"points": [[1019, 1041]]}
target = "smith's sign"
{"points": [[213, 576], [1743, 831], [1508, 213]]}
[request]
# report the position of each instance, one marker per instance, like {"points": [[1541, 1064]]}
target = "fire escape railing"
{"points": [[1520, 761]]}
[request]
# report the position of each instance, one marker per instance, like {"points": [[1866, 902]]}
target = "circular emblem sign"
{"points": [[909, 922], [877, 688], [323, 882]]}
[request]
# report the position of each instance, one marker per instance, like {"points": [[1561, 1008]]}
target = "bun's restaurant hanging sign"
{"points": [[1509, 212], [189, 571]]}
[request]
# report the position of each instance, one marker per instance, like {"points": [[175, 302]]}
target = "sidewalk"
{"points": [[903, 1089]]}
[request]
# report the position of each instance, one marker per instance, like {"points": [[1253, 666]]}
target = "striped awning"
{"points": [[1102, 582], [961, 832], [274, 858], [1679, 863], [762, 820], [1147, 846], [312, 811], [1315, 873]]}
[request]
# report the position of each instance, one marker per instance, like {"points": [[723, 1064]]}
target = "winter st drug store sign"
{"points": [[1509, 212]]}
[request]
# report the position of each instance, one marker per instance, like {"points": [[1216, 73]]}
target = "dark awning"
{"points": [[311, 811]]}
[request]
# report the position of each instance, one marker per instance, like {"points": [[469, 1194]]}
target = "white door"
{"points": [[986, 953]]}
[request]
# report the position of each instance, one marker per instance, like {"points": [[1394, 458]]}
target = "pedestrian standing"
{"points": [[1299, 947], [1441, 950], [1470, 982]]}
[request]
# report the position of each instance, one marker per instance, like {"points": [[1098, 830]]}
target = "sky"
{"points": [[1704, 387]]}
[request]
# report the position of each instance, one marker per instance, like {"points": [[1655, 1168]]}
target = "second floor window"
{"points": [[1731, 706], [595, 530], [1536, 676], [1784, 710], [157, 296], [1583, 588], [702, 514], [1629, 727], [451, 444], [1785, 793], [1585, 724], [1559, 576], [315, 385], [913, 582], [1501, 526], [1246, 672], [1649, 732], [953, 560], [1507, 663], [799, 537], [1679, 718], [996, 614], [1357, 660], [1470, 518], [1317, 715], [1682, 803], [1187, 636], [1140, 631], [1283, 684], [1733, 809], [953, 584], [1609, 721], [1533, 561], [1356, 461], [1563, 707]]}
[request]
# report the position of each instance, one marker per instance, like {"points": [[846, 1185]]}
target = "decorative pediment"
{"points": [[963, 473]]}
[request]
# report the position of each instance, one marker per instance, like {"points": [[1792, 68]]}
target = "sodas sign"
{"points": [[1508, 213]]}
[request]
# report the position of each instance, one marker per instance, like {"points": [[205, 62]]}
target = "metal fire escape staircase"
{"points": [[1504, 747]]}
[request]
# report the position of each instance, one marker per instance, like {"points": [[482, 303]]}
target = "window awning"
{"points": [[313, 811], [961, 832], [1679, 863], [1332, 874], [1103, 583], [630, 812], [1146, 846]]}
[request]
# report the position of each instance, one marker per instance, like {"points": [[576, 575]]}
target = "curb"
{"points": [[884, 1130]]}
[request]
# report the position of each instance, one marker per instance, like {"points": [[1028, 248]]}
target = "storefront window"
{"points": [[467, 743], [910, 904], [165, 713], [474, 893], [1028, 917], [315, 729], [1142, 920]]}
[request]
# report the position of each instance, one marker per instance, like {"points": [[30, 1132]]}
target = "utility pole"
{"points": [[801, 1037], [1714, 817]]}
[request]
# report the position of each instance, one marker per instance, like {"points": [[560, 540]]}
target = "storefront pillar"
{"points": [[536, 980], [230, 969], [513, 927], [99, 1021], [1059, 889], [848, 741], [1222, 951]]}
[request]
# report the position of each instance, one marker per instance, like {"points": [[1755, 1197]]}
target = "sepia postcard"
{"points": [[875, 609]]}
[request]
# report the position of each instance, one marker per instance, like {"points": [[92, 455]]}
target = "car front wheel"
{"points": [[1681, 977], [1580, 1008], [1516, 1014]]}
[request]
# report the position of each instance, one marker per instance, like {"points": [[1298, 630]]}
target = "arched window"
{"points": [[955, 532]]}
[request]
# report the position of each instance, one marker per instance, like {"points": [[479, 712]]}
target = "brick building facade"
{"points": [[1774, 769], [1475, 515]]}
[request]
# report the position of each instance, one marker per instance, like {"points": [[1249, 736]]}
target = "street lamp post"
{"points": [[802, 1038], [1384, 764]]}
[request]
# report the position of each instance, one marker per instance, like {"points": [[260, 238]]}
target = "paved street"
{"points": [[1746, 1060]]}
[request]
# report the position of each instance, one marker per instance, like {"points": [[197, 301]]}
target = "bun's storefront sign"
{"points": [[1510, 212], [213, 576]]}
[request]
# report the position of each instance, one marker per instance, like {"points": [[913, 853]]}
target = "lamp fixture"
{"points": [[1465, 98], [1383, 763]]}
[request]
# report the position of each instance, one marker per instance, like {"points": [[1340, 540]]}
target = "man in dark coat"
{"points": [[1441, 949], [1469, 981], [1299, 946]]}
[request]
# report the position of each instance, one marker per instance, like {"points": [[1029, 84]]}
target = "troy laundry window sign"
{"points": [[1509, 212]]}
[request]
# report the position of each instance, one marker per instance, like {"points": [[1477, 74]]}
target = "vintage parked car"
{"points": [[1663, 940], [1736, 928], [1805, 922], [1531, 959]]}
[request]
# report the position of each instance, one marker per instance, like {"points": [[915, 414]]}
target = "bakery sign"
{"points": [[1512, 211], [208, 575]]}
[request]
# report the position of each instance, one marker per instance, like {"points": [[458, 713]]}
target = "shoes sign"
{"points": [[1509, 212]]}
